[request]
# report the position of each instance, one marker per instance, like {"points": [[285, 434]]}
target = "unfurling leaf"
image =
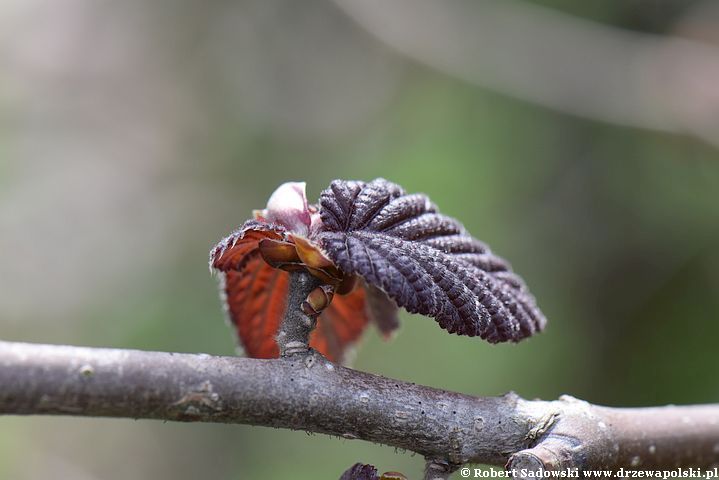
{"points": [[425, 261], [374, 248], [254, 262]]}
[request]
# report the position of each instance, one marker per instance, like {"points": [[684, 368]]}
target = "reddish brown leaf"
{"points": [[233, 250], [256, 301], [340, 325]]}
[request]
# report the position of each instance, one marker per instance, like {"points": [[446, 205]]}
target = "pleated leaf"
{"points": [[425, 261]]}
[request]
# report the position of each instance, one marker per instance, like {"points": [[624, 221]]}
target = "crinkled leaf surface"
{"points": [[425, 261]]}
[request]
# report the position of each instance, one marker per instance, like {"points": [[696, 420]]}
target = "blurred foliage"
{"points": [[614, 229]]}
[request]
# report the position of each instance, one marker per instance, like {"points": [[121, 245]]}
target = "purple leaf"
{"points": [[425, 261], [360, 471], [382, 310]]}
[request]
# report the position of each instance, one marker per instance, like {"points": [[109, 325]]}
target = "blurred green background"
{"points": [[579, 139]]}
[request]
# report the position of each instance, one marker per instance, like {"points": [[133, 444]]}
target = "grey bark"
{"points": [[294, 333], [307, 392]]}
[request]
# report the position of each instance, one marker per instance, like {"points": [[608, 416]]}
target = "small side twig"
{"points": [[577, 435], [294, 334]]}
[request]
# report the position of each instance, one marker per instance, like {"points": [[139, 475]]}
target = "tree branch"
{"points": [[307, 392], [294, 333]]}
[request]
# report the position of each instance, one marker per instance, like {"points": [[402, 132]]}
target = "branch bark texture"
{"points": [[307, 392], [294, 334]]}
